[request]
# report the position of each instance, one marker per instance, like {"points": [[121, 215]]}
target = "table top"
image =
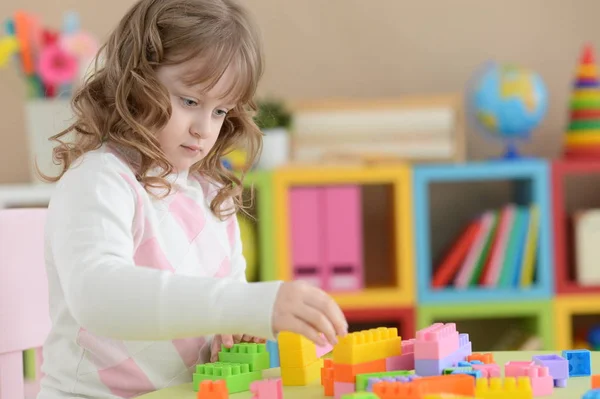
{"points": [[576, 386]]}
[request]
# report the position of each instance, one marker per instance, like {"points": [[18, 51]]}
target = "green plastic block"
{"points": [[255, 355], [238, 377], [360, 395], [450, 370], [362, 380]]}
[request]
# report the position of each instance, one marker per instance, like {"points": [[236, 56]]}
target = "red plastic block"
{"points": [[436, 341], [267, 389], [212, 390]]}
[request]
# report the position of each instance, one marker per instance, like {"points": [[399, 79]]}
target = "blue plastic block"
{"points": [[591, 394], [580, 362], [474, 373], [273, 349], [463, 363], [532, 183]]}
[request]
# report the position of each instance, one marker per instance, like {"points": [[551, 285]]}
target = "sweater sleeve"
{"points": [[91, 244]]}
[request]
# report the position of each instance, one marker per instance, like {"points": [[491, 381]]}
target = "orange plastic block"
{"points": [[456, 384], [348, 372], [327, 381], [485, 358], [446, 396], [212, 390], [398, 390], [367, 346], [496, 388], [595, 381]]}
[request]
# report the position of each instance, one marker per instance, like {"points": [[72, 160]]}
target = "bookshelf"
{"points": [[575, 315], [490, 187], [385, 260], [497, 325]]}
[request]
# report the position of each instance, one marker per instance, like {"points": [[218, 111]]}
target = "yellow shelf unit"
{"points": [[399, 177], [568, 306]]}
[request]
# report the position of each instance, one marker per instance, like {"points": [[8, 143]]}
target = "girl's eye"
{"points": [[221, 112], [188, 103]]}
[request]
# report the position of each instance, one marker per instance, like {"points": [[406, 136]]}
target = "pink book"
{"points": [[493, 269], [468, 267]]}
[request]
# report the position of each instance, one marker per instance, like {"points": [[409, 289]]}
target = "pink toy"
{"points": [[24, 312], [343, 237], [488, 370], [325, 349], [267, 389], [542, 382], [307, 236], [405, 361], [343, 388], [517, 369], [436, 341]]}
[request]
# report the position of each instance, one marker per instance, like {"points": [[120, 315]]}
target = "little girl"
{"points": [[143, 249]]}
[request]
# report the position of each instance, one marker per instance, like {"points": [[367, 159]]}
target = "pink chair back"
{"points": [[24, 312]]}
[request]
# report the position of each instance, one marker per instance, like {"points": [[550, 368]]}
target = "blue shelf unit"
{"points": [[531, 182]]}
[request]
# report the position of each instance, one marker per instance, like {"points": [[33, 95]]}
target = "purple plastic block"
{"points": [[557, 365], [560, 383], [429, 367]]}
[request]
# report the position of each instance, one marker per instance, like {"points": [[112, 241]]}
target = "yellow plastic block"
{"points": [[496, 388], [297, 358], [367, 346], [448, 396], [299, 376], [294, 342]]}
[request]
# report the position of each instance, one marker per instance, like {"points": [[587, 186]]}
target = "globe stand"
{"points": [[511, 152]]}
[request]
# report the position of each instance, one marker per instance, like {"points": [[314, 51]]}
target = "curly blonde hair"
{"points": [[123, 104]]}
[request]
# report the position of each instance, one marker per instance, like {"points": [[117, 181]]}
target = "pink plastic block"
{"points": [[343, 388], [307, 234], [343, 237], [267, 389], [436, 341], [488, 370], [323, 350], [408, 346], [405, 361], [517, 369], [542, 382]]}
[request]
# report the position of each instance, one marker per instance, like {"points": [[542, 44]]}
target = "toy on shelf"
{"points": [[496, 249], [582, 140], [507, 102]]}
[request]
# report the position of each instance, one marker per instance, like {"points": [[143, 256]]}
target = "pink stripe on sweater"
{"points": [[188, 214], [126, 380], [150, 254], [189, 350]]}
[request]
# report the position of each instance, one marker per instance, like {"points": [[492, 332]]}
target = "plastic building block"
{"points": [[255, 355], [473, 373], [579, 362], [436, 341], [362, 380], [342, 388], [360, 395], [290, 341], [273, 349], [327, 377], [485, 358], [430, 367], [455, 384], [557, 365], [297, 358], [466, 363], [595, 381], [496, 388], [517, 369], [488, 370], [267, 389], [542, 383], [405, 361], [368, 345], [298, 376], [212, 390], [323, 350], [348, 372], [591, 394], [398, 378], [450, 370], [445, 396], [238, 377]]}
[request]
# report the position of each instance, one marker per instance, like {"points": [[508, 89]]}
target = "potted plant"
{"points": [[274, 120]]}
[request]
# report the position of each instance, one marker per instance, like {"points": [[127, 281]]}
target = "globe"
{"points": [[508, 103]]}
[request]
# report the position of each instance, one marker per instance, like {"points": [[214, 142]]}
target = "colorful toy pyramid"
{"points": [[582, 140]]}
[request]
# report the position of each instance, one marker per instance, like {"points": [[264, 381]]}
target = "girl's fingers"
{"points": [[332, 312]]}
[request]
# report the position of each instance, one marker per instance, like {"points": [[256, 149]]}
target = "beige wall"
{"points": [[368, 48]]}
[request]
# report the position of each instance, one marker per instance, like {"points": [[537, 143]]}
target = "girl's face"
{"points": [[196, 118]]}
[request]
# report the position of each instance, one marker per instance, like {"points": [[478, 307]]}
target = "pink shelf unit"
{"points": [[327, 245]]}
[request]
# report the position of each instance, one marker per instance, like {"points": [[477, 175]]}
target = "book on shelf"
{"points": [[497, 249]]}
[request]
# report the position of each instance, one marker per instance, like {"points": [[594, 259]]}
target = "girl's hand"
{"points": [[228, 341], [307, 310]]}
